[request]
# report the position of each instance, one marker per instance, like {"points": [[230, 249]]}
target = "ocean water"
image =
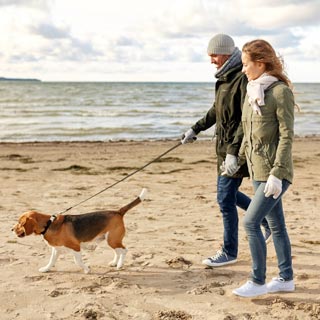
{"points": [[103, 111]]}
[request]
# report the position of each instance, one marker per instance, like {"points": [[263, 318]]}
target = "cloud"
{"points": [[36, 4], [128, 42], [129, 36], [50, 31], [266, 16], [66, 46]]}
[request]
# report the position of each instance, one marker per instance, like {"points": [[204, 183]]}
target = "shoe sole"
{"points": [[249, 296], [282, 290], [219, 264]]}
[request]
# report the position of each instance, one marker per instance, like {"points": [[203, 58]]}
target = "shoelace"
{"points": [[219, 254]]}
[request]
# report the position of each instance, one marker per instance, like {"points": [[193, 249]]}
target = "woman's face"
{"points": [[253, 70]]}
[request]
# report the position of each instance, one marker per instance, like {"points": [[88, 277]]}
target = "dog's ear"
{"points": [[28, 223]]}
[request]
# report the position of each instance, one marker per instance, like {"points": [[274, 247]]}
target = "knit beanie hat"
{"points": [[221, 44]]}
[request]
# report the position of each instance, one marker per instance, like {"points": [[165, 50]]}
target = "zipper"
{"points": [[251, 139]]}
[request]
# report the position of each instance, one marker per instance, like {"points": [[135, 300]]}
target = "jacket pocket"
{"points": [[270, 152], [261, 152]]}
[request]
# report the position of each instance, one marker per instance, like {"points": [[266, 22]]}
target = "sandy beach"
{"points": [[168, 235]]}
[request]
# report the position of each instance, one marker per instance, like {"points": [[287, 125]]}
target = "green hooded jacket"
{"points": [[267, 140], [230, 92]]}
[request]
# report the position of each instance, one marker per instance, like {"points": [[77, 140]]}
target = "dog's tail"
{"points": [[135, 202]]}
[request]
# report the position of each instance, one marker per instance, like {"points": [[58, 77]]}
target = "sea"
{"points": [[35, 111]]}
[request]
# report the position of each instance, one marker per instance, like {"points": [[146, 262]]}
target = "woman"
{"points": [[267, 121]]}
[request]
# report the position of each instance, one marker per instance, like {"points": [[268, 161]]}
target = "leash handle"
{"points": [[126, 177]]}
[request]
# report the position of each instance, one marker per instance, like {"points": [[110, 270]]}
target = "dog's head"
{"points": [[27, 224]]}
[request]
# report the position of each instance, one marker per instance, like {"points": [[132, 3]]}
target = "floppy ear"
{"points": [[29, 225]]}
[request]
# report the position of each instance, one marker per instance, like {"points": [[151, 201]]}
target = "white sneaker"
{"points": [[251, 289], [279, 284]]}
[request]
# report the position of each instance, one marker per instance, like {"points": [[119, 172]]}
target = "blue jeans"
{"points": [[271, 209], [229, 197]]}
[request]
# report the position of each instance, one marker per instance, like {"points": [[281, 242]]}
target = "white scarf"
{"points": [[256, 89]]}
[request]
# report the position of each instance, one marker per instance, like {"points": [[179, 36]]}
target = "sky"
{"points": [[149, 40]]}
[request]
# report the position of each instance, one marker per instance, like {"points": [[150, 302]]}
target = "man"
{"points": [[230, 91]]}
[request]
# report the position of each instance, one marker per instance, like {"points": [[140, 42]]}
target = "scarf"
{"points": [[233, 61], [256, 89]]}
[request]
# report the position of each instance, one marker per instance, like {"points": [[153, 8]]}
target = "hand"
{"points": [[230, 166], [188, 137], [273, 187]]}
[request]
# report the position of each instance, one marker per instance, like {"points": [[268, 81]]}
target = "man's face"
{"points": [[218, 59]]}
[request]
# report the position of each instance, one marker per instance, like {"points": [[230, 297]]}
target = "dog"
{"points": [[71, 230]]}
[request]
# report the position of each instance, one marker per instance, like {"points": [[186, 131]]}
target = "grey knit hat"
{"points": [[221, 44]]}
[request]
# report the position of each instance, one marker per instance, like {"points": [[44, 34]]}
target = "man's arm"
{"points": [[234, 147], [206, 122]]}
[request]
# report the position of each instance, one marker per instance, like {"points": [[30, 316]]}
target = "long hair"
{"points": [[262, 51]]}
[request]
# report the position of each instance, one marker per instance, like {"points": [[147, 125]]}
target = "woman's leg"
{"points": [[281, 239], [259, 208], [243, 202]]}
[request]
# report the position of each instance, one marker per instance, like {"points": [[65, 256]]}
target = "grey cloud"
{"points": [[197, 57], [60, 50], [85, 48], [285, 39], [130, 42], [60, 37], [49, 31], [281, 15], [180, 35], [70, 50], [23, 58], [254, 17], [272, 20], [37, 4]]}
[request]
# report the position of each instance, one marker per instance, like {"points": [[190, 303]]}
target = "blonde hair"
{"points": [[261, 51]]}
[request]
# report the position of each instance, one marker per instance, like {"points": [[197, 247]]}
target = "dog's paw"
{"points": [[44, 269], [112, 264], [87, 270]]}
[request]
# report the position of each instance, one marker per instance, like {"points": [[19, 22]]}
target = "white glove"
{"points": [[188, 137], [230, 166], [273, 187]]}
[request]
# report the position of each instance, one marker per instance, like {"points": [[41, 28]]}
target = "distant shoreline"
{"points": [[312, 137], [19, 79], [120, 82]]}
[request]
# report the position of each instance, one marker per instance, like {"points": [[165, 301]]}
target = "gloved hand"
{"points": [[273, 187], [230, 166], [188, 137]]}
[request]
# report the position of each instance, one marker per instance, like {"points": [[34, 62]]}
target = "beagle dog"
{"points": [[71, 230]]}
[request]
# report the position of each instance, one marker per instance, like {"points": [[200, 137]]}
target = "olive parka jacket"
{"points": [[230, 92], [267, 139]]}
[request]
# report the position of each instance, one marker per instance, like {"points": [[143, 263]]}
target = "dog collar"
{"points": [[52, 218]]}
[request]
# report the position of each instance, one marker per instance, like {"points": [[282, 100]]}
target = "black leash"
{"points": [[126, 177]]}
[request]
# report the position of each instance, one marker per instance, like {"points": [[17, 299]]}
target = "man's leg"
{"points": [[227, 189]]}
